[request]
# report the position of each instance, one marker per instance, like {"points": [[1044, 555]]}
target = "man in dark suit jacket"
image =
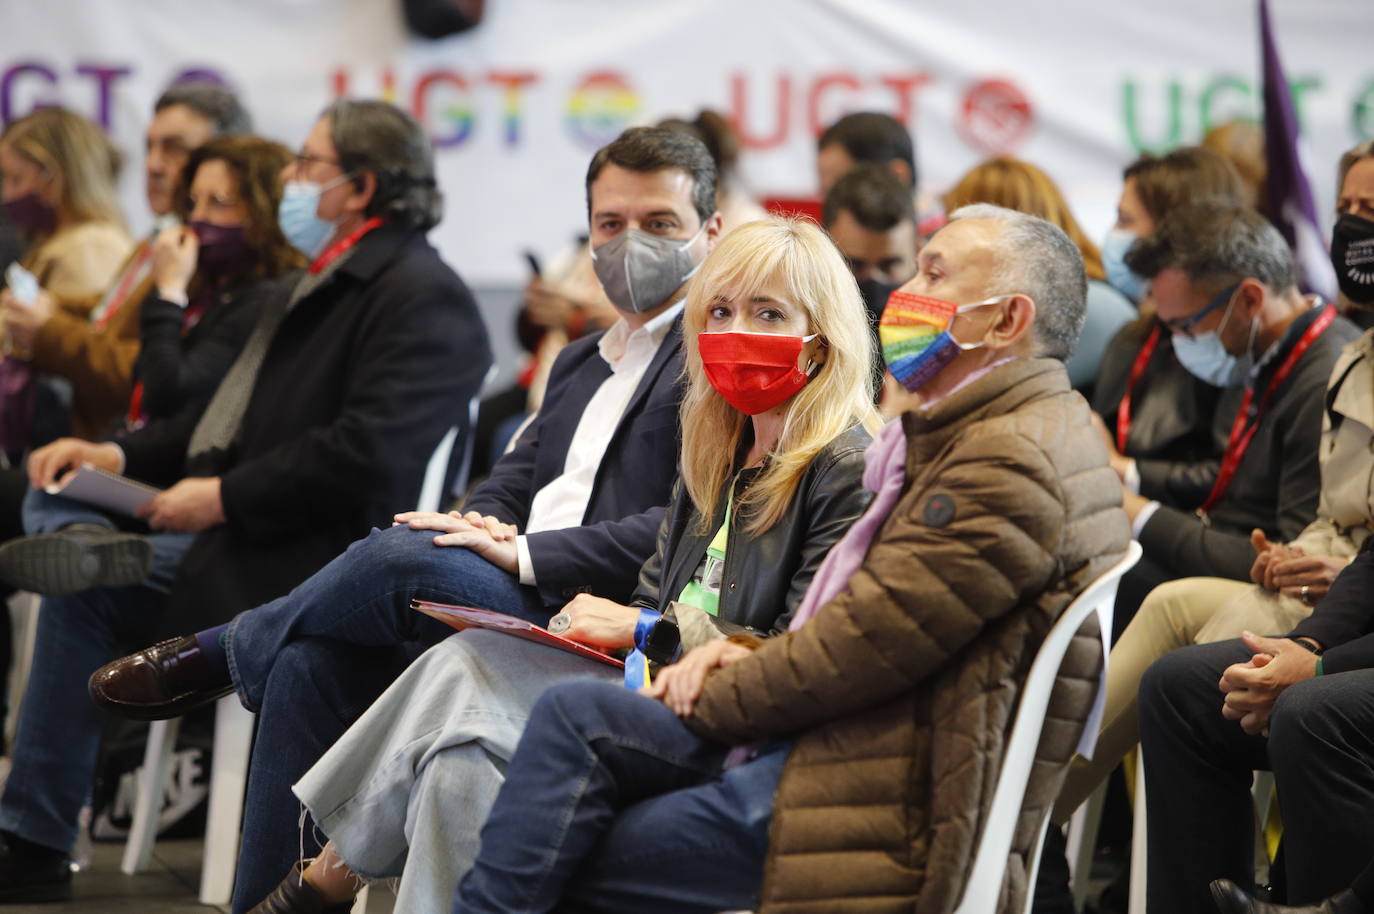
{"points": [[320, 429], [1301, 705], [574, 507]]}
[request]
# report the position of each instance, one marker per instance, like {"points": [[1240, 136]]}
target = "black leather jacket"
{"points": [[767, 575]]}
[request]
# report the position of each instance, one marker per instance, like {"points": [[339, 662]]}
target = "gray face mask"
{"points": [[639, 270]]}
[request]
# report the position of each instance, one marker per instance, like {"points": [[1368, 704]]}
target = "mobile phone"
{"points": [[533, 260], [22, 283]]}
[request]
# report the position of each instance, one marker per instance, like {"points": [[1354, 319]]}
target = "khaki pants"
{"points": [[1174, 615]]}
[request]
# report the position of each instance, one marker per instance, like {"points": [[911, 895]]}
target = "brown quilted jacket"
{"points": [[903, 688]]}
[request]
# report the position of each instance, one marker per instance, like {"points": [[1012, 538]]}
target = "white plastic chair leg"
{"points": [[152, 784], [24, 608], [1082, 844], [1139, 834], [228, 780]]}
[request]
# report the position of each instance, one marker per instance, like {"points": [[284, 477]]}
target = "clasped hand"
{"points": [[1251, 688], [1287, 569]]}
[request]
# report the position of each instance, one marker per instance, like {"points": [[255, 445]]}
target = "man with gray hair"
{"points": [[874, 717], [1223, 282]]}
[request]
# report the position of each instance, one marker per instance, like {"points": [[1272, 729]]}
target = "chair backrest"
{"points": [[994, 844]]}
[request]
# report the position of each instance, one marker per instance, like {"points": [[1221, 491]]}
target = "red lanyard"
{"points": [[338, 248], [126, 283], [1243, 429], [1123, 409]]}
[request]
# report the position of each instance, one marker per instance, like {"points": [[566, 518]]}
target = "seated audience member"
{"points": [[869, 215], [58, 171], [881, 139], [59, 191], [324, 423], [733, 202], [772, 463], [211, 277], [1021, 186], [1223, 284], [1288, 577], [1353, 237], [875, 721], [585, 490], [1165, 427], [1297, 705], [1241, 143], [96, 351]]}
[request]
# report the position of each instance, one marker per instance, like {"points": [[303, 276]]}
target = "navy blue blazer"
{"points": [[633, 483]]}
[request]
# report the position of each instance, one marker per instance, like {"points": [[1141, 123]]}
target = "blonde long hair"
{"points": [[77, 155], [1021, 186], [799, 257]]}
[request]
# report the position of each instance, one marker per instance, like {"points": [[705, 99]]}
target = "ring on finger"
{"points": [[1304, 593]]}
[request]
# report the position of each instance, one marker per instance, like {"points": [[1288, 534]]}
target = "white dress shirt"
{"points": [[563, 502]]}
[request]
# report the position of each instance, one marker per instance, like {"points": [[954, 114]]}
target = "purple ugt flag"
{"points": [[1288, 196]]}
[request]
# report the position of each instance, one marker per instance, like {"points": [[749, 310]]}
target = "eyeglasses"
{"points": [[1185, 325], [304, 159]]}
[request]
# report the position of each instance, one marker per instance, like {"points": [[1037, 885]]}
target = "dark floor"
{"points": [[170, 885]]}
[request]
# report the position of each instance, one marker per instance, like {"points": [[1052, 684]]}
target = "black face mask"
{"points": [[875, 293], [1352, 254]]}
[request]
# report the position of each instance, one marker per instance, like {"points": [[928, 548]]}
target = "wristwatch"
{"points": [[663, 641]]}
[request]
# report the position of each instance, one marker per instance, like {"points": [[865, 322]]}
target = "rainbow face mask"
{"points": [[914, 333]]}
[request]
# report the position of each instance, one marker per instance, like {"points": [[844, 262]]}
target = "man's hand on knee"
{"points": [[1251, 688]]}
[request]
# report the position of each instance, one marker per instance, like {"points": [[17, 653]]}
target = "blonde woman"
{"points": [[59, 191], [1021, 186], [776, 416]]}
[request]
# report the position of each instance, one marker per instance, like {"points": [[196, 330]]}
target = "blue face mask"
{"points": [[1207, 359], [296, 214], [1125, 280]]}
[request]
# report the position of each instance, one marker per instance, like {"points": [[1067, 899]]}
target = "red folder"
{"points": [[462, 617]]}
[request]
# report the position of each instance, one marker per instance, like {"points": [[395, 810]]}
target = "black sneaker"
{"points": [[33, 874], [74, 559]]}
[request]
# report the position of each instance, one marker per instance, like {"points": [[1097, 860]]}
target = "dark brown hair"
{"points": [[256, 165], [1184, 176], [647, 149]]}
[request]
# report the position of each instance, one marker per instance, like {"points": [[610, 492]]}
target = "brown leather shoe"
{"points": [[296, 896], [159, 682]]}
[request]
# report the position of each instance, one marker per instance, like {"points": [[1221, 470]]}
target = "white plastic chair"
{"points": [[234, 741], [228, 779], [984, 887], [24, 607]]}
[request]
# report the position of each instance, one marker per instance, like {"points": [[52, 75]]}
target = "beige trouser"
{"points": [[1171, 617]]}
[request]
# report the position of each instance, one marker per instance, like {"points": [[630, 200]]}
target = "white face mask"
{"points": [[1207, 359]]}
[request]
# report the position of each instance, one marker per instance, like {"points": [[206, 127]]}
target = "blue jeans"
{"points": [[54, 753], [312, 661], [611, 804], [44, 513]]}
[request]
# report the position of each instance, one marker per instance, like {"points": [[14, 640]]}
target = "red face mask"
{"points": [[754, 372]]}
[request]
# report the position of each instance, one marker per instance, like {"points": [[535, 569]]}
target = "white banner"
{"points": [[517, 106]]}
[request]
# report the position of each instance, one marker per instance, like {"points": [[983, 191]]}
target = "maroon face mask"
{"points": [[224, 250], [31, 215]]}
